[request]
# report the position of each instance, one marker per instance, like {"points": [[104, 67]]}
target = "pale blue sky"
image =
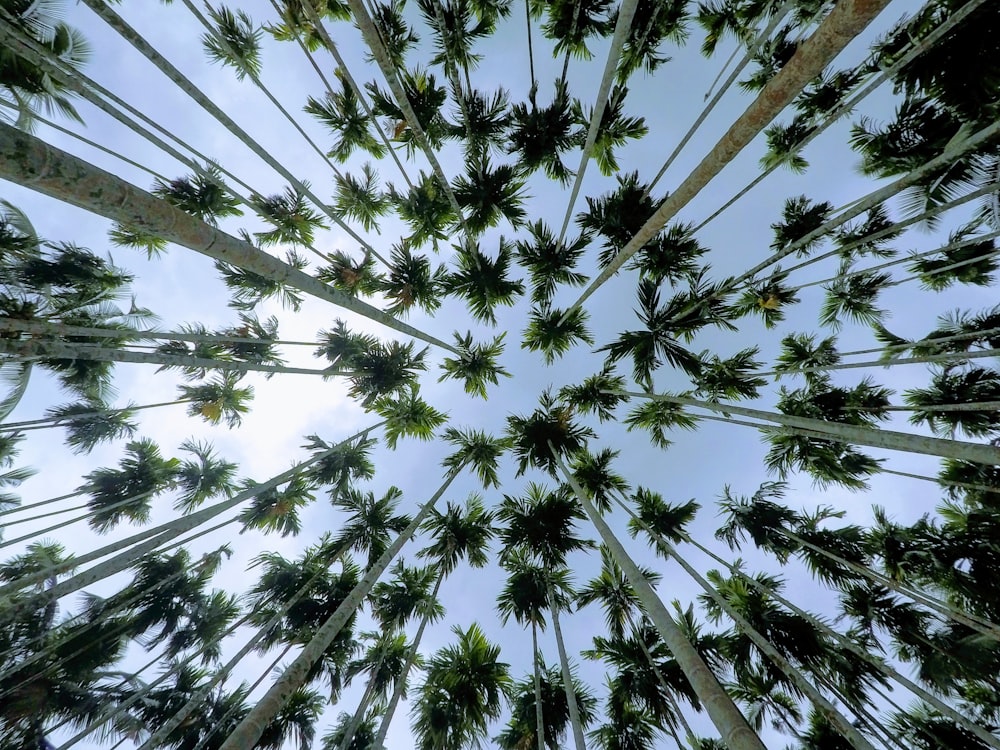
{"points": [[182, 287]]}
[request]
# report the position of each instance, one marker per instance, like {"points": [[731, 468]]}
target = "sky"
{"points": [[182, 287]]}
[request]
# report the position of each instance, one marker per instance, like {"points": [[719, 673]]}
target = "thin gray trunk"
{"points": [[539, 719], [732, 725], [43, 349], [567, 676], [144, 541], [370, 32], [101, 8], [626, 12], [359, 713], [30, 162], [252, 726], [847, 19], [885, 439], [400, 685]]}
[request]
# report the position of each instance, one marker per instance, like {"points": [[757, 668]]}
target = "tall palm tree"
{"points": [[465, 688]]}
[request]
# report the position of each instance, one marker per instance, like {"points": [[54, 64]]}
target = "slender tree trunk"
{"points": [[359, 713], [30, 506], [626, 12], [689, 736], [46, 423], [370, 33], [823, 706], [400, 685], [539, 719], [885, 439], [44, 349], [847, 643], [567, 675], [30, 162], [848, 19], [252, 726], [141, 543], [732, 725]]}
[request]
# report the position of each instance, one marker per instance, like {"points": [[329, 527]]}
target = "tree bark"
{"points": [[28, 161], [847, 19], [732, 725], [249, 730], [567, 676]]}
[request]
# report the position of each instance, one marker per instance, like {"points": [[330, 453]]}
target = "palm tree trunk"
{"points": [[400, 685], [626, 12], [732, 725], [539, 719], [845, 21], [374, 42], [144, 541], [31, 506], [29, 161], [707, 110], [101, 8], [823, 706], [885, 439], [689, 736], [44, 423], [567, 676], [45, 349], [54, 328], [847, 643], [909, 259], [359, 714], [317, 22], [252, 726]]}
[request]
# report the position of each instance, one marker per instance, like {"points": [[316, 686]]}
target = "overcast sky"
{"points": [[182, 287]]}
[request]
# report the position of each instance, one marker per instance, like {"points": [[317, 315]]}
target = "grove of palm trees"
{"points": [[451, 374]]}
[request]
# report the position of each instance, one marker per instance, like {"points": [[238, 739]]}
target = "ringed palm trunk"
{"points": [[400, 684], [30, 162], [539, 718], [567, 676], [847, 643], [359, 713], [979, 354], [732, 725], [886, 439], [249, 730], [141, 543], [845, 21]]}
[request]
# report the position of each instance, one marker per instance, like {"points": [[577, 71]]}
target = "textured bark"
{"points": [[847, 19], [567, 676], [400, 685], [249, 730], [886, 439], [732, 725], [851, 646], [28, 161]]}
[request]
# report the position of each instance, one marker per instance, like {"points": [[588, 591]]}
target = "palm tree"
{"points": [[542, 524], [539, 136], [26, 87], [383, 662], [465, 688], [549, 425], [549, 262], [521, 731], [459, 534]]}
